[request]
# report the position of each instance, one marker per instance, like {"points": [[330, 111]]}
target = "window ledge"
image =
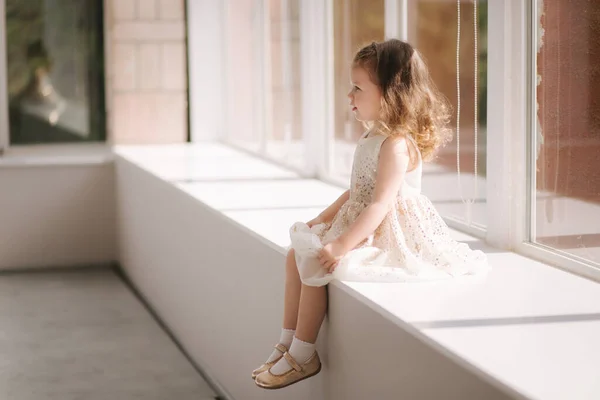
{"points": [[528, 326], [57, 155]]}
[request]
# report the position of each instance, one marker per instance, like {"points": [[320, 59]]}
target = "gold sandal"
{"points": [[266, 366], [311, 367]]}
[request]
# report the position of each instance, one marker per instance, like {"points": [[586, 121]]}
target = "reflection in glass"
{"points": [[55, 70], [567, 138]]}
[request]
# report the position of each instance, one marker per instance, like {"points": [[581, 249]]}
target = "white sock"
{"points": [[300, 351], [287, 335]]}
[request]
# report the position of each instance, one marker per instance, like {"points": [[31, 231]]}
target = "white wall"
{"points": [[219, 288], [392, 362], [57, 216], [199, 273]]}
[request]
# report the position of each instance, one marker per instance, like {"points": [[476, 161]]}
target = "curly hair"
{"points": [[411, 104]]}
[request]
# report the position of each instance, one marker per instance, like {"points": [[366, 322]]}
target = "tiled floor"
{"points": [[82, 334]]}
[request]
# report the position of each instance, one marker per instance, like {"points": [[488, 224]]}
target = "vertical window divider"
{"points": [[396, 19], [262, 85], [316, 71], [506, 123], [4, 133], [286, 78]]}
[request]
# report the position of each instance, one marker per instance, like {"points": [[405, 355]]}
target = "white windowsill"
{"points": [[57, 155], [532, 327]]}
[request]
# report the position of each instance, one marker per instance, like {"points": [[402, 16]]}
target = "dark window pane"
{"points": [[55, 71]]}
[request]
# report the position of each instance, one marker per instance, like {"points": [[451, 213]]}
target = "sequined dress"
{"points": [[412, 243]]}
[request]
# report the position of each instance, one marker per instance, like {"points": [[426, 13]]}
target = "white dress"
{"points": [[412, 243]]}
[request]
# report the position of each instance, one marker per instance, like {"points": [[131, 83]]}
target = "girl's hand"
{"points": [[331, 254], [315, 221]]}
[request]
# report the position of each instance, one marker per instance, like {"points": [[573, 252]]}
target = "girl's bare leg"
{"points": [[293, 287], [313, 305], [304, 311]]}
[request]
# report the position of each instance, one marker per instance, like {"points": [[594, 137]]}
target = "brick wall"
{"points": [[146, 71], [569, 110]]}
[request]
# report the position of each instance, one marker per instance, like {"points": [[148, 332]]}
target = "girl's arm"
{"points": [[328, 214], [393, 162]]}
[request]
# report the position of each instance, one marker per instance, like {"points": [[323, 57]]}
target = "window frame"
{"points": [[261, 25], [511, 133], [33, 149], [4, 126], [396, 19], [508, 61], [526, 246]]}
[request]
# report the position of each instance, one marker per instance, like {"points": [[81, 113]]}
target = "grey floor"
{"points": [[83, 334]]}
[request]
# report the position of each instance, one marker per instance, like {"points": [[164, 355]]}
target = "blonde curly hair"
{"points": [[411, 104]]}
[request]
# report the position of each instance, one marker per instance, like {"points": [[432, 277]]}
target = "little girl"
{"points": [[382, 229]]}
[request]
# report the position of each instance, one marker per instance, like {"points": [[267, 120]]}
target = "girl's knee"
{"points": [[291, 255], [290, 263]]}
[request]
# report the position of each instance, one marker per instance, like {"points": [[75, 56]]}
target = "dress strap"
{"points": [[364, 135]]}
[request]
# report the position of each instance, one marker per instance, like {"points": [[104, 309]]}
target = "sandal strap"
{"points": [[281, 348], [292, 362]]}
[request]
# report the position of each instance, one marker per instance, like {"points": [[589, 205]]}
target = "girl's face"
{"points": [[365, 96]]}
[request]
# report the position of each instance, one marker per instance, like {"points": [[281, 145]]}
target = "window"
{"points": [[283, 91], [432, 29], [55, 73], [243, 109], [565, 190], [263, 78], [274, 67], [356, 23]]}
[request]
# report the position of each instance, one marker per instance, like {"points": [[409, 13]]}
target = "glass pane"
{"points": [[55, 70], [356, 23], [432, 30], [283, 92], [244, 108], [567, 138]]}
